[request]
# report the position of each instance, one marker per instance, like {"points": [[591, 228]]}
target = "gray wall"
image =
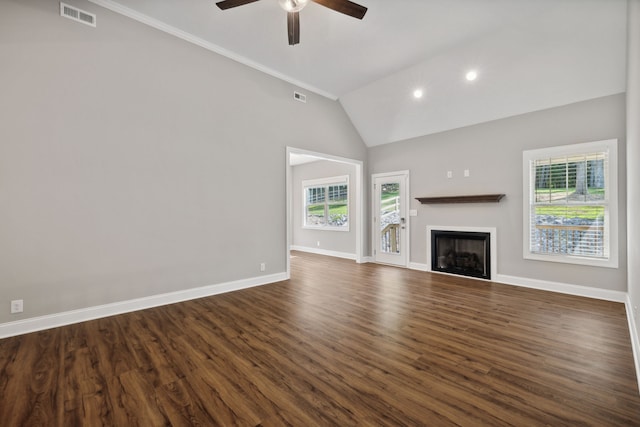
{"points": [[133, 163], [493, 154], [336, 241], [633, 155]]}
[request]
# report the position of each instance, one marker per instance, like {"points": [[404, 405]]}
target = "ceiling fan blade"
{"points": [[344, 6], [293, 27], [228, 4]]}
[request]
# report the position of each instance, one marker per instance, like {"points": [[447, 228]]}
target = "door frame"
{"points": [[359, 200], [406, 245]]}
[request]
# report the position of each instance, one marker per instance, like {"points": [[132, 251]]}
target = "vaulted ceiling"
{"points": [[529, 55]]}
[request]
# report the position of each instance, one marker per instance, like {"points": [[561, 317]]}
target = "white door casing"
{"points": [[390, 221]]}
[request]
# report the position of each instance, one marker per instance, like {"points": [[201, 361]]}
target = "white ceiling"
{"points": [[529, 54]]}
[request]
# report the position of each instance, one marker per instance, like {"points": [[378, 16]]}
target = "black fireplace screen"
{"points": [[464, 253]]}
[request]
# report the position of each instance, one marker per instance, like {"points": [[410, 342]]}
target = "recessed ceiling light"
{"points": [[472, 75], [418, 93]]}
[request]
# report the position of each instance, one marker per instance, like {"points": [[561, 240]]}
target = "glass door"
{"points": [[390, 220]]}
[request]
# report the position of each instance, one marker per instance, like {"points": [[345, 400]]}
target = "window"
{"points": [[570, 204], [326, 203]]}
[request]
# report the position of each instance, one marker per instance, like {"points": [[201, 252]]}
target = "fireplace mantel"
{"points": [[477, 198]]}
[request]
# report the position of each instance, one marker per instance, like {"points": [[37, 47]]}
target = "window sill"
{"points": [[309, 227], [611, 262]]}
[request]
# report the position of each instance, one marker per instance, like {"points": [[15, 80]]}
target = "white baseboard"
{"points": [[326, 252], [418, 266], [563, 288], [544, 285], [40, 323], [633, 331]]}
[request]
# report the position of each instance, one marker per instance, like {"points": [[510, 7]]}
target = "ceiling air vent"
{"points": [[300, 97], [77, 15]]}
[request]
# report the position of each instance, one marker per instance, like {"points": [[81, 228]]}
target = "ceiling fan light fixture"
{"points": [[293, 5]]}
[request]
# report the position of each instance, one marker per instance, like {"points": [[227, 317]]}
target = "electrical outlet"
{"points": [[263, 266], [449, 174], [17, 306], [466, 173]]}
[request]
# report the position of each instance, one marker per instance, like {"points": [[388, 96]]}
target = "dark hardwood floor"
{"points": [[339, 344]]}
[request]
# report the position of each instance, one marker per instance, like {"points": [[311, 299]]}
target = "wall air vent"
{"points": [[77, 15], [300, 97]]}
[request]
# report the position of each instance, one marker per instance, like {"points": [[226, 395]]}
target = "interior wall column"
{"points": [[633, 167]]}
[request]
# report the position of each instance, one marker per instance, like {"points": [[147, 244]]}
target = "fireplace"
{"points": [[461, 251]]}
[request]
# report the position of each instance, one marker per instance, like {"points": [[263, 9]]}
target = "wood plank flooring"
{"points": [[339, 344]]}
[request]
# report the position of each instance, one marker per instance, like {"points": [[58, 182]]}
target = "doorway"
{"points": [[357, 216], [390, 225]]}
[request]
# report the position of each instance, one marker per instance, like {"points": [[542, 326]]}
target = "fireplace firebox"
{"points": [[461, 252]]}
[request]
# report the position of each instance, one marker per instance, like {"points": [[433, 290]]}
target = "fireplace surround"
{"points": [[465, 251]]}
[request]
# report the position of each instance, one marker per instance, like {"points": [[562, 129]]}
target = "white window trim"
{"points": [[611, 193], [335, 180]]}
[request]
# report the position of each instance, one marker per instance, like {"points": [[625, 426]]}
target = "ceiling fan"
{"points": [[293, 8]]}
